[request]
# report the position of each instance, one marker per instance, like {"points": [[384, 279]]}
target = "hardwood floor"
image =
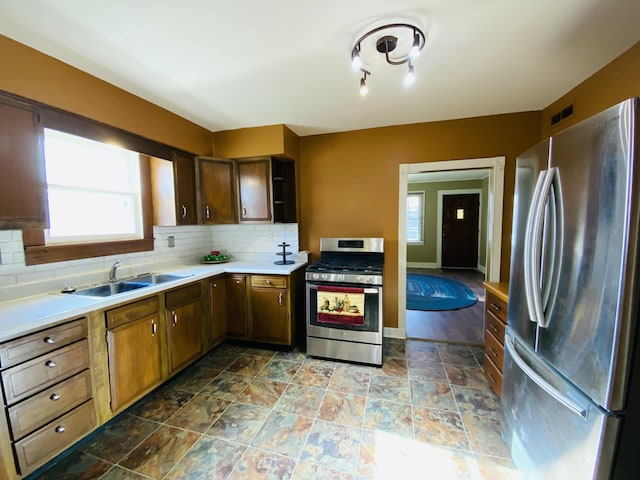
{"points": [[462, 326]]}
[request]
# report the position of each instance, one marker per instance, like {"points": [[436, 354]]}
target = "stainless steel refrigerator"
{"points": [[570, 394]]}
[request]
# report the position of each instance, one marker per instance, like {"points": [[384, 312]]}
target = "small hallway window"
{"points": [[415, 218]]}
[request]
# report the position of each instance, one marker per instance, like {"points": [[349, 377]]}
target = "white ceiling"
{"points": [[242, 63]]}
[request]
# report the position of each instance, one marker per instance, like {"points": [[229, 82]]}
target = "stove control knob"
{"points": [[341, 278], [315, 276]]}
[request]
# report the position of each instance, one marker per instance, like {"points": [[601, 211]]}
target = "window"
{"points": [[415, 218], [93, 190]]}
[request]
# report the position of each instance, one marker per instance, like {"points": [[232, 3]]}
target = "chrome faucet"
{"points": [[112, 271]]}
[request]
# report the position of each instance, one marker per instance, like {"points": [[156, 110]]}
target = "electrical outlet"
{"points": [[171, 241]]}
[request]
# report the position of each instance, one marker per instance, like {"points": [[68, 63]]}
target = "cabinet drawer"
{"points": [[496, 306], [131, 312], [183, 295], [268, 281], [31, 346], [28, 378], [43, 444], [494, 326], [494, 350], [493, 375], [27, 416]]}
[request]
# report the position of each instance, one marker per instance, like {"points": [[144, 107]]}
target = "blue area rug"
{"points": [[428, 292]]}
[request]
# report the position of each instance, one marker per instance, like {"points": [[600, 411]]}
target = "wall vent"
{"points": [[566, 112]]}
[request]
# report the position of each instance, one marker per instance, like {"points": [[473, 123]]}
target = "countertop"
{"points": [[500, 289], [26, 315]]}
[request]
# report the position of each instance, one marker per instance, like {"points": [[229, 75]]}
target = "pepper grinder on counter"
{"points": [[284, 254]]}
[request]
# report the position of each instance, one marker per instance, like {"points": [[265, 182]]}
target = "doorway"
{"points": [[495, 165]]}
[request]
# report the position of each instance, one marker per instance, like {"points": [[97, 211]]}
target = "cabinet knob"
{"points": [[49, 340], [50, 363], [237, 282], [55, 397], [60, 429]]}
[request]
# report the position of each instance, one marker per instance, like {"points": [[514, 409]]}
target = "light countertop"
{"points": [[26, 315]]}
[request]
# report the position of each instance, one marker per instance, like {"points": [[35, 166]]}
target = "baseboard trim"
{"points": [[391, 332], [422, 265], [482, 269]]}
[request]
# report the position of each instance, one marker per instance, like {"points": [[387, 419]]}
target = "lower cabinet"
{"points": [[184, 326], [134, 346], [270, 318], [495, 323], [217, 325], [237, 322], [46, 380]]}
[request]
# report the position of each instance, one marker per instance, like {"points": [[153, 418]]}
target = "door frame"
{"points": [[494, 223], [462, 191]]}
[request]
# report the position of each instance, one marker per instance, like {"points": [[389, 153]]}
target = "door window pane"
{"points": [[415, 217]]}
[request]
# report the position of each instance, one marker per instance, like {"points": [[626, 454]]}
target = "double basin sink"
{"points": [[122, 286]]}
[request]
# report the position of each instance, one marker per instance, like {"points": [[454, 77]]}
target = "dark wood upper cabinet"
{"points": [[254, 190], [216, 195], [23, 201], [185, 183]]}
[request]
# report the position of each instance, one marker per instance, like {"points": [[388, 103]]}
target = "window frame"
{"points": [[422, 195], [35, 250]]}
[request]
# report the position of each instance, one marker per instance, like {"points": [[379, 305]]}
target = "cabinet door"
{"points": [[270, 320], [237, 306], [254, 190], [216, 196], [184, 334], [185, 185], [135, 364], [23, 202], [218, 319]]}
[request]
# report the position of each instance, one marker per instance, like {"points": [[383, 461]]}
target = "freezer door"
{"points": [[588, 321], [529, 166], [554, 432]]}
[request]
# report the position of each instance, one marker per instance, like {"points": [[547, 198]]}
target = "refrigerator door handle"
{"points": [[536, 247], [528, 237], [541, 382]]}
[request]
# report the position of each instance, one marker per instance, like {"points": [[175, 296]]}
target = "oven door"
{"points": [[369, 332]]}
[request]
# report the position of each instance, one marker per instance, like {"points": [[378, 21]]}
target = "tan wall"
{"points": [[31, 74], [428, 251], [614, 83], [349, 181]]}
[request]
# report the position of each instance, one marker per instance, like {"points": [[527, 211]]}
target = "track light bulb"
{"points": [[356, 61], [363, 87], [415, 48], [410, 77]]}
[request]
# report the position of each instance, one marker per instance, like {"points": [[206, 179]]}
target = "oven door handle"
{"points": [[365, 290]]}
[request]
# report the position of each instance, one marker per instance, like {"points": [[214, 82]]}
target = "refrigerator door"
{"points": [[529, 166], [554, 432], [585, 334]]}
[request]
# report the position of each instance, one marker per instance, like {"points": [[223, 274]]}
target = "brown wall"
{"points": [[349, 181], [31, 74], [614, 83], [256, 141]]}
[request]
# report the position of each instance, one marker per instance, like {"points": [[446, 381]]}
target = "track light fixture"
{"points": [[400, 43]]}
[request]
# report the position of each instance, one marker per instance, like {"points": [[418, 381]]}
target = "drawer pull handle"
{"points": [[237, 282], [493, 352], [175, 318], [49, 340], [60, 429], [208, 212], [268, 282], [493, 327], [497, 307], [280, 298], [491, 377], [55, 397], [50, 363], [184, 211], [153, 328]]}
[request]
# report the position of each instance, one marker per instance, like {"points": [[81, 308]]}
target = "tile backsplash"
{"points": [[243, 242]]}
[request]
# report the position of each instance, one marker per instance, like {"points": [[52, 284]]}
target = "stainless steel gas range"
{"points": [[344, 300]]}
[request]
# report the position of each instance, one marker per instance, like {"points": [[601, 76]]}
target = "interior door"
{"points": [[460, 230]]}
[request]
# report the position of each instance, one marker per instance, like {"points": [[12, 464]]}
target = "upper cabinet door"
{"points": [[185, 185], [216, 191], [254, 187], [23, 203]]}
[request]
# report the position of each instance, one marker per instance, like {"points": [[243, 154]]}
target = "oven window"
{"points": [[321, 317]]}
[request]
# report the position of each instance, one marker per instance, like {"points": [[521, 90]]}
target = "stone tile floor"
{"points": [[248, 413]]}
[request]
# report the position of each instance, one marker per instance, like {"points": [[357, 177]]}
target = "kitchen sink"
{"points": [[122, 286], [109, 289], [156, 278]]}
